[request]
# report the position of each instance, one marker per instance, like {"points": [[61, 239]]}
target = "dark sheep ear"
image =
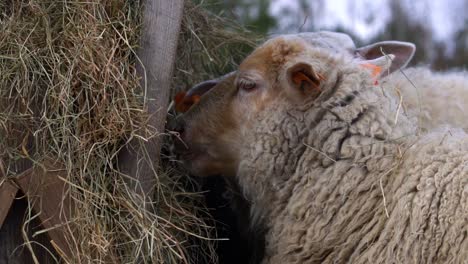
{"points": [[403, 52], [185, 100], [304, 79], [203, 87]]}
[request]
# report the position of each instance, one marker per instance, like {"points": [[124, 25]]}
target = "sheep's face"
{"points": [[208, 131], [214, 129]]}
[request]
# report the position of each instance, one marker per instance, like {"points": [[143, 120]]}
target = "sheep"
{"points": [[334, 171], [434, 98]]}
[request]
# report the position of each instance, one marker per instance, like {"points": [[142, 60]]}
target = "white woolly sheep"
{"points": [[334, 171]]}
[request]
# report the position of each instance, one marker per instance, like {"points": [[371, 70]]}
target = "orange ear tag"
{"points": [[179, 97], [179, 100], [195, 99], [183, 103], [376, 70]]}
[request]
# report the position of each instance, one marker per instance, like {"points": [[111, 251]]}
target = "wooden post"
{"points": [[161, 26]]}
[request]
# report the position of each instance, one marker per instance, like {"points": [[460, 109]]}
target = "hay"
{"points": [[209, 46], [69, 92]]}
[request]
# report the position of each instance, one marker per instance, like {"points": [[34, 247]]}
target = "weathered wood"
{"points": [[7, 196], [161, 26], [49, 196], [12, 234], [7, 190]]}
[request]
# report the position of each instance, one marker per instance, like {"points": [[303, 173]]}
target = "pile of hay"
{"points": [[69, 92]]}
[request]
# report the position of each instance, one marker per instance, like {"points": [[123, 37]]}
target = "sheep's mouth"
{"points": [[202, 162], [199, 163], [187, 150], [190, 153]]}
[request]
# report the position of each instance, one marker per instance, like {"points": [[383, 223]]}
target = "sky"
{"points": [[366, 18]]}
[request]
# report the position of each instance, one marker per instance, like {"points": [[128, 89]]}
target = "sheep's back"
{"points": [[414, 212], [431, 99], [427, 205]]}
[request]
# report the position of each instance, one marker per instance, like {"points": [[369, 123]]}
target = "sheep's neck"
{"points": [[296, 150]]}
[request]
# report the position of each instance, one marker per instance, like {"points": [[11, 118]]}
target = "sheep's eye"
{"points": [[247, 85]]}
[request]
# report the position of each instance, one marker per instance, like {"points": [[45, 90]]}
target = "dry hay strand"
{"points": [[209, 46], [69, 91]]}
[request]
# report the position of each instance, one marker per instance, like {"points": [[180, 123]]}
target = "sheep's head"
{"points": [[286, 72]]}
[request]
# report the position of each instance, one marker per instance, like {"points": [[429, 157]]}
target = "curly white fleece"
{"points": [[433, 98], [349, 179]]}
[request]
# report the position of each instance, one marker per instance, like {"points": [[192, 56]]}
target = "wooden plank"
{"points": [[50, 198], [161, 25], [13, 249], [7, 189], [7, 196]]}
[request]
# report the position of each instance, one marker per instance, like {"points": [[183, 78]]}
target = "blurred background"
{"points": [[438, 28]]}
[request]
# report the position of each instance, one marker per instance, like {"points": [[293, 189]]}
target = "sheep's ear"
{"points": [[203, 87], [301, 77], [402, 51], [379, 67], [185, 100]]}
